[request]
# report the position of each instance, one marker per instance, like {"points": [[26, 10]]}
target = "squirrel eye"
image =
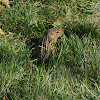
{"points": [[57, 32]]}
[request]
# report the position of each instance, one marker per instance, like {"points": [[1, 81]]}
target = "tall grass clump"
{"points": [[82, 55], [14, 59]]}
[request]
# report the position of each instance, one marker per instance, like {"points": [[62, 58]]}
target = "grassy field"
{"points": [[73, 73]]}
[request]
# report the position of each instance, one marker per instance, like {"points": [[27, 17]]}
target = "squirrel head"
{"points": [[54, 33]]}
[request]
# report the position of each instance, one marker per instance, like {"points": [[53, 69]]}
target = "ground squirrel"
{"points": [[46, 44]]}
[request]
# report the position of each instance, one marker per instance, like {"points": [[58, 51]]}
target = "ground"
{"points": [[72, 73]]}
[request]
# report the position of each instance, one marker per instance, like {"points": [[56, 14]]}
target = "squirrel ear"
{"points": [[51, 26]]}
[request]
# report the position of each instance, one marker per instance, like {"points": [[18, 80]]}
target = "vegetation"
{"points": [[73, 73]]}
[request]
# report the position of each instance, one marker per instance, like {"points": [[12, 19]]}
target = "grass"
{"points": [[73, 73]]}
